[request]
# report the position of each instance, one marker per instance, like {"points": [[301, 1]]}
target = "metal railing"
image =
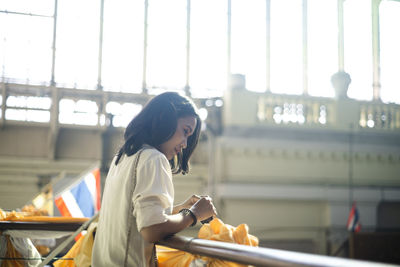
{"points": [[258, 256]]}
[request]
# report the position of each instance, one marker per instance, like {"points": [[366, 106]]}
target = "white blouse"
{"points": [[152, 201]]}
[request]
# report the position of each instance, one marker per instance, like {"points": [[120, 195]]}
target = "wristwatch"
{"points": [[186, 212]]}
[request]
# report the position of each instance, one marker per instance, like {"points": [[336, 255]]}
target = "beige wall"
{"points": [[288, 183]]}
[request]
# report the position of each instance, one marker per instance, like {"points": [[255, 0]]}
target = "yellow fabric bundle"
{"points": [[71, 254], [215, 230], [81, 251], [3, 214], [171, 257], [14, 254]]}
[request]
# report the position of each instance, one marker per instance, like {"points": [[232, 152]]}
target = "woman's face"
{"points": [[178, 141]]}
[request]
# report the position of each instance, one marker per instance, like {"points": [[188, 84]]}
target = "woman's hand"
{"points": [[204, 208], [187, 204]]}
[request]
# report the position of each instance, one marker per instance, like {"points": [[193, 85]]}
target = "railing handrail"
{"points": [[259, 256]]}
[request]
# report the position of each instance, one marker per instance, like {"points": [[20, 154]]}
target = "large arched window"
{"points": [[285, 46]]}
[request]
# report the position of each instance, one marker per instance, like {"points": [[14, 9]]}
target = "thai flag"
{"points": [[353, 222], [83, 198]]}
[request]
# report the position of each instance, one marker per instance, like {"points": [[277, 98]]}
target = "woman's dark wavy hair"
{"points": [[157, 123]]}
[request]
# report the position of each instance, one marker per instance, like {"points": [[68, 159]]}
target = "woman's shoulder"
{"points": [[151, 153], [152, 159]]}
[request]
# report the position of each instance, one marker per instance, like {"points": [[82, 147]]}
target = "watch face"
{"points": [[185, 212]]}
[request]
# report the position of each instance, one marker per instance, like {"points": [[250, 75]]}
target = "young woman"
{"points": [[137, 207]]}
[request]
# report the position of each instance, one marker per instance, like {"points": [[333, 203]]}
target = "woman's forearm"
{"points": [[200, 210], [174, 224], [177, 208], [187, 204]]}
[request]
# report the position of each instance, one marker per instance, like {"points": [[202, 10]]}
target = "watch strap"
{"points": [[189, 212]]}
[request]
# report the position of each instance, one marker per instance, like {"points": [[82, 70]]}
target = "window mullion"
{"points": [[187, 85], [144, 78], [305, 48], [100, 58], [268, 46], [376, 50], [53, 57]]}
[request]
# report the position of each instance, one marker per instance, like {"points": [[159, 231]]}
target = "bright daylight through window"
{"points": [[280, 46]]}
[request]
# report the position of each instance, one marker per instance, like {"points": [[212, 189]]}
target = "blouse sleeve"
{"points": [[154, 192]]}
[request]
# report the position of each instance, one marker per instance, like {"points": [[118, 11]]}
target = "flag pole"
{"points": [[351, 185]]}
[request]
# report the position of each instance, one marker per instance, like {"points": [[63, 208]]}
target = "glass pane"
{"points": [[86, 106], [77, 43], [27, 115], [66, 105], [166, 58], [38, 7], [16, 101], [123, 46], [29, 102], [249, 42], [113, 108], [122, 114], [38, 115], [25, 48], [15, 114], [286, 47], [128, 112], [81, 112], [38, 102], [390, 53], [322, 46], [358, 48], [208, 55], [85, 119]]}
